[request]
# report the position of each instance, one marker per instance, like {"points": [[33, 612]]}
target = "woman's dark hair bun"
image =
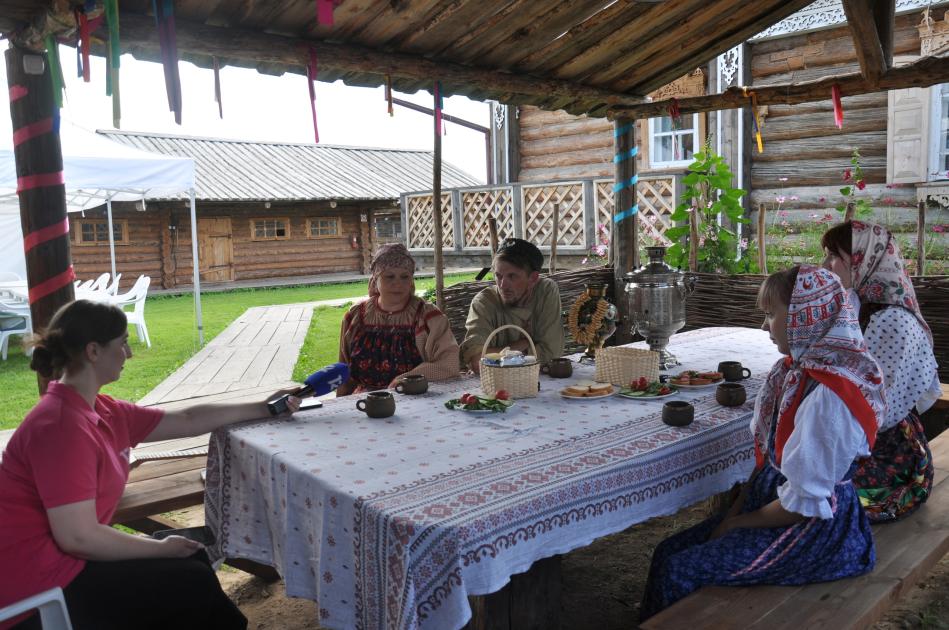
{"points": [[74, 326]]}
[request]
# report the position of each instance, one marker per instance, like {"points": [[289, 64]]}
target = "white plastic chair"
{"points": [[136, 297], [51, 605], [113, 288], [83, 285], [14, 320], [100, 283]]}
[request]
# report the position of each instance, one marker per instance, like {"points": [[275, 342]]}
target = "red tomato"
{"points": [[502, 394], [664, 390], [467, 399], [642, 383]]}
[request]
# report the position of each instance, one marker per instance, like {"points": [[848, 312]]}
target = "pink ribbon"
{"points": [[47, 233], [27, 132], [55, 283], [29, 182]]}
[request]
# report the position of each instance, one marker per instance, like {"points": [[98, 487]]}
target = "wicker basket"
{"points": [[620, 365], [520, 381]]}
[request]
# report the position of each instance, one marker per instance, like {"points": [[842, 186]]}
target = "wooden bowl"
{"points": [[731, 394]]}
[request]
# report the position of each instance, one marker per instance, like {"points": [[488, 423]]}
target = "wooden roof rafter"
{"points": [[924, 72], [581, 56], [872, 25]]}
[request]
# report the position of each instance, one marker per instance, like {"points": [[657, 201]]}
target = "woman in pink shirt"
{"points": [[61, 478]]}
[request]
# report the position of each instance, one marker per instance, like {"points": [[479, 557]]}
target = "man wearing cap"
{"points": [[520, 297]]}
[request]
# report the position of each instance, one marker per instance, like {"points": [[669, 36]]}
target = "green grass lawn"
{"points": [[174, 340]]}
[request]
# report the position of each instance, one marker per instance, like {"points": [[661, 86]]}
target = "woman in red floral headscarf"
{"points": [[395, 332], [898, 475]]}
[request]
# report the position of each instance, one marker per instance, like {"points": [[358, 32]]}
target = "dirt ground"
{"points": [[602, 585]]}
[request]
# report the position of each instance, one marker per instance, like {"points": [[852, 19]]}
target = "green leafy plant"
{"points": [[708, 195], [854, 181]]}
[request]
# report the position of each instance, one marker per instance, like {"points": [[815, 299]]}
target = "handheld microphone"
{"points": [[320, 382]]}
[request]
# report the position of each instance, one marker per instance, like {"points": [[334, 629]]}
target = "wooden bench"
{"points": [[906, 552], [157, 487], [943, 401]]}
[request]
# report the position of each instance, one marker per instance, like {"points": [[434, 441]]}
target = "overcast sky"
{"points": [[262, 107]]}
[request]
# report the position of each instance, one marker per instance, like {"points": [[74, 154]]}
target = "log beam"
{"points": [[871, 24], [140, 37], [922, 73]]}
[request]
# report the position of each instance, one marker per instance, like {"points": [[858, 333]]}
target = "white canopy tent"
{"points": [[99, 171]]}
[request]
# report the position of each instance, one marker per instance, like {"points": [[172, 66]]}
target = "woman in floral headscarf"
{"points": [[394, 332], [898, 476], [798, 519]]}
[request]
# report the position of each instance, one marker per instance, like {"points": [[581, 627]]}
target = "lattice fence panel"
{"points": [[656, 198], [656, 204], [421, 228], [477, 206], [538, 207]]}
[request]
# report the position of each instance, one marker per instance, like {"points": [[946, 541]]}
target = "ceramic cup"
{"points": [[412, 384], [561, 367], [733, 371], [678, 413], [377, 404], [731, 394]]}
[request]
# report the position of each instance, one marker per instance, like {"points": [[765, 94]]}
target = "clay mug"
{"points": [[412, 384], [731, 394], [560, 367], [678, 413], [377, 404], [733, 371]]}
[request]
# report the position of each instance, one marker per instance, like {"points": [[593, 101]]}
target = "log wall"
{"points": [[157, 250], [559, 146], [801, 142]]}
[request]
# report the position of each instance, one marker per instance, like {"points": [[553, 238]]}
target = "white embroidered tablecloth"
{"points": [[393, 523]]}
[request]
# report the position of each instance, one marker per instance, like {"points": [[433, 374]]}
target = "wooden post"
{"points": [[851, 208], [694, 238], [554, 235], [530, 600], [493, 234], [625, 232], [921, 238], [365, 238], [165, 237], [39, 169], [762, 240], [437, 209]]}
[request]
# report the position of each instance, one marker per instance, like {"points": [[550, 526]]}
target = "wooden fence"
{"points": [[526, 211]]}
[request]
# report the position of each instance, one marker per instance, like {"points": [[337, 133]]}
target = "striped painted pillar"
{"points": [[625, 216], [39, 169]]}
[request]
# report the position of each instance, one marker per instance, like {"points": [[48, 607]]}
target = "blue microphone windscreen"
{"points": [[329, 378]]}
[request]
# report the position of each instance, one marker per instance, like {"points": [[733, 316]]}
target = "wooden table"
{"points": [[393, 523]]}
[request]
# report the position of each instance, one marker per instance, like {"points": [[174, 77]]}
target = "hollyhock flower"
{"points": [[847, 175], [782, 179], [743, 243], [822, 199], [785, 224], [783, 213], [794, 197], [940, 228], [861, 184], [780, 198]]}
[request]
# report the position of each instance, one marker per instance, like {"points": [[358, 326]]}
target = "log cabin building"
{"points": [[265, 210], [902, 135]]}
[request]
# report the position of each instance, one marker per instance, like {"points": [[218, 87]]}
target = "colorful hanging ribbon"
{"points": [[439, 105], [113, 57], [167, 40], [55, 70], [310, 81], [756, 122], [838, 106], [84, 45], [217, 87], [324, 11], [389, 95]]}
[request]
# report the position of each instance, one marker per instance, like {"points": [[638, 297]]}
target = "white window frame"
{"points": [[936, 169], [653, 145]]}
